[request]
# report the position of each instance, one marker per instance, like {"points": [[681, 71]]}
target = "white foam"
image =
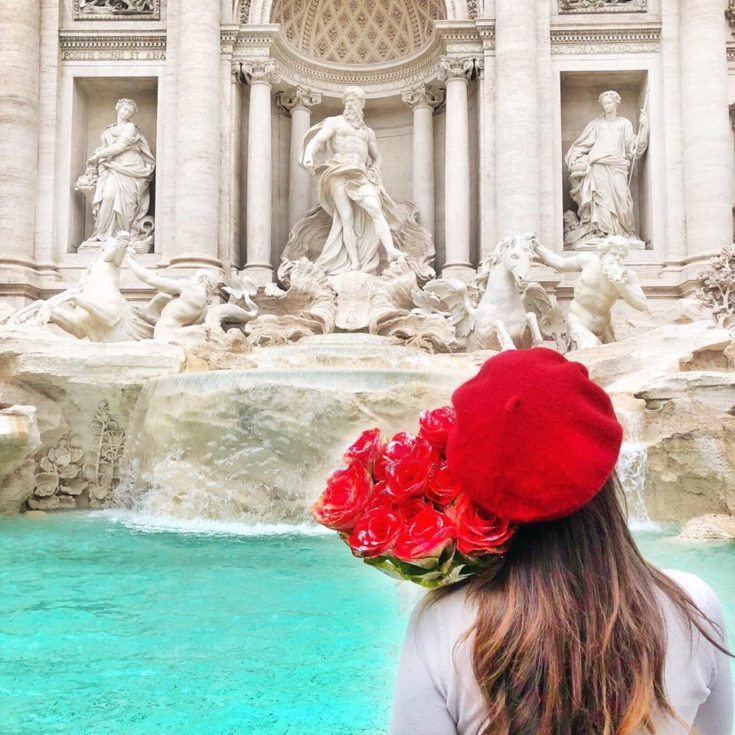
{"points": [[641, 526], [203, 526]]}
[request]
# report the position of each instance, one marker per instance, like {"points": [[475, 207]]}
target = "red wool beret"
{"points": [[535, 439]]}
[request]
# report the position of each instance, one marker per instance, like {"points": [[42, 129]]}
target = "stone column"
{"points": [[456, 72], [198, 155], [516, 118], [261, 75], [299, 103], [19, 127], [423, 101], [705, 127]]}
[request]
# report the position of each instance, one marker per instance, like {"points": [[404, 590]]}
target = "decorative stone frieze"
{"points": [[116, 9], [730, 14], [576, 41], [300, 97], [141, 46], [603, 6], [423, 95]]}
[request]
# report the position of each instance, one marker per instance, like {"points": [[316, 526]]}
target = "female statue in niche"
{"points": [[119, 174], [599, 164]]}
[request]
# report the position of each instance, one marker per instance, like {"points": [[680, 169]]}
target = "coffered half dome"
{"points": [[357, 32]]}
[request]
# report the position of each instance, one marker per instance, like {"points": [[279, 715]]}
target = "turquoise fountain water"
{"points": [[109, 625]]}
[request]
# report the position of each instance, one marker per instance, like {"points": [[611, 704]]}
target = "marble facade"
{"points": [[474, 104]]}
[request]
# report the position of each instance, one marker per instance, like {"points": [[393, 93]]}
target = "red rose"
{"points": [[409, 462], [427, 535], [376, 532], [410, 508], [478, 531], [442, 488], [344, 499], [435, 426], [365, 450], [380, 496]]}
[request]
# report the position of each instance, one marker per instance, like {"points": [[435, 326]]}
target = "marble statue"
{"points": [[604, 278], [96, 309], [342, 151], [118, 178], [179, 303], [599, 164], [510, 308]]}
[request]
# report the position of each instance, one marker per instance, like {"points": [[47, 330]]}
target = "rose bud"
{"points": [[345, 498], [409, 462], [435, 426], [478, 531], [427, 535], [365, 449], [376, 532], [442, 488]]}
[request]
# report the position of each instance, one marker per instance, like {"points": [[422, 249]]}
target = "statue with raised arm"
{"points": [[604, 278], [343, 152], [599, 163], [181, 302], [118, 177]]}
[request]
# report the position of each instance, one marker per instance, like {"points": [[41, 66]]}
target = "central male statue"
{"points": [[343, 152]]}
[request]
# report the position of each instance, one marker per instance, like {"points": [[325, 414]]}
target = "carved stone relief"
{"points": [[117, 9], [603, 6]]}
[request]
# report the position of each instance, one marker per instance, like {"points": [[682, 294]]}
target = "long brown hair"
{"points": [[569, 635]]}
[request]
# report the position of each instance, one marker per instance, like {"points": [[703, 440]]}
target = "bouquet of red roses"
{"points": [[398, 508]]}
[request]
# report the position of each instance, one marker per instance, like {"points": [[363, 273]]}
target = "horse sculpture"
{"points": [[96, 309], [511, 313]]}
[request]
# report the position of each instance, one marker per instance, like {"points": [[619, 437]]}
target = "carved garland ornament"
{"points": [[603, 6]]}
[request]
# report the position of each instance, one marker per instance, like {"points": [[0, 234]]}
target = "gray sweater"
{"points": [[436, 692]]}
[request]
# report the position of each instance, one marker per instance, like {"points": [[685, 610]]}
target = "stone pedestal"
{"points": [[456, 72], [516, 118], [299, 103], [706, 133], [260, 75], [19, 126], [198, 154], [423, 101]]}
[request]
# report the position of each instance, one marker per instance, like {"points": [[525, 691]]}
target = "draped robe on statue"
{"points": [[601, 190], [122, 196], [359, 182]]}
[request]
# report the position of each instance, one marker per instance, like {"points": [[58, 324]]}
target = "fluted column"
{"points": [[456, 72], [198, 155], [517, 176], [705, 127], [423, 101], [299, 103], [19, 127], [261, 75]]}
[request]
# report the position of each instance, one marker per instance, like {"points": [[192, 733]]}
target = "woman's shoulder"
{"points": [[701, 594]]}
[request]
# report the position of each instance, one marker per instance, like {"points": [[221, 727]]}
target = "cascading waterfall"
{"points": [[631, 468]]}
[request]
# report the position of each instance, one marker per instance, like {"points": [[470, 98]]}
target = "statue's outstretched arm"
{"points": [[166, 285], [631, 291], [559, 262]]}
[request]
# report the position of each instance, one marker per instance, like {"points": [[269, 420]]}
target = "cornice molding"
{"points": [[580, 41], [112, 45]]}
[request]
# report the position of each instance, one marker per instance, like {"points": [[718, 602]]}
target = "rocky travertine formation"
{"points": [[709, 528], [19, 439]]}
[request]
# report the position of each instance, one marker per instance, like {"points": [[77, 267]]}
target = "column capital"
{"points": [[423, 96], [299, 98], [459, 67], [256, 71]]}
